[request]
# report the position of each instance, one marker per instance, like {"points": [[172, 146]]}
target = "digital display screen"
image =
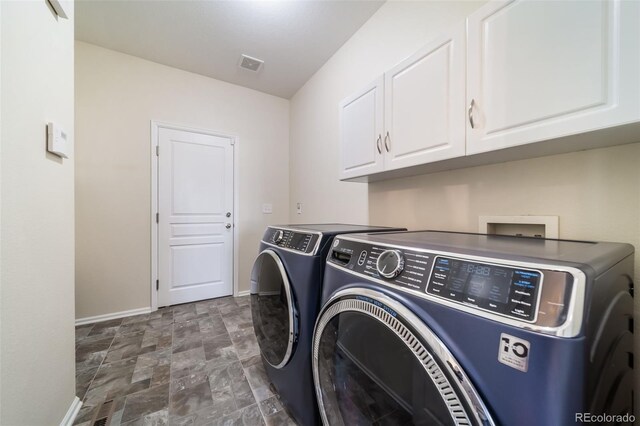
{"points": [[481, 281], [500, 289], [297, 239]]}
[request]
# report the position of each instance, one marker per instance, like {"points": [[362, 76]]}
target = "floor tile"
{"points": [[145, 402], [248, 416], [191, 364], [187, 359], [222, 376], [83, 331], [212, 325], [259, 382], [239, 319], [83, 380], [158, 418], [256, 359], [220, 349], [281, 418], [242, 393], [135, 318], [192, 342], [185, 329], [245, 343], [191, 399], [106, 327], [270, 406], [91, 352]]}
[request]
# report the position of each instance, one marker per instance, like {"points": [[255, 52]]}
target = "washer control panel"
{"points": [[496, 287], [304, 242]]}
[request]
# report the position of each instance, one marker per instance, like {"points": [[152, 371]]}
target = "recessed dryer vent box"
{"points": [[523, 226]]}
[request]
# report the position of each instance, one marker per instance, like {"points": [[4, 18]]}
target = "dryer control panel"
{"points": [[304, 242], [494, 287]]}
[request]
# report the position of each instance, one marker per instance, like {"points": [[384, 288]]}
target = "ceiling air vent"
{"points": [[251, 64]]}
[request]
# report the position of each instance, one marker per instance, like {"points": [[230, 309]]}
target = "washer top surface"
{"points": [[598, 255], [313, 239], [336, 228]]}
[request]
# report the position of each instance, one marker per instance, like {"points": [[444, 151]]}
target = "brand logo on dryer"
{"points": [[514, 352]]}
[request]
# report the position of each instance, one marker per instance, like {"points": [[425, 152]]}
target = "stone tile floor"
{"points": [[191, 364]]}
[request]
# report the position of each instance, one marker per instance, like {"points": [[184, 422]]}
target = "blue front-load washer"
{"points": [[286, 284], [432, 328]]}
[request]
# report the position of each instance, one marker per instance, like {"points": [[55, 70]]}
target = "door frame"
{"points": [[154, 208]]}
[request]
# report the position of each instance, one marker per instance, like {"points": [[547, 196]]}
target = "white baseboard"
{"points": [[115, 315], [243, 293], [72, 412]]}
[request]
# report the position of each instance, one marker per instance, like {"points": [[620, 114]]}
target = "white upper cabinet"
{"points": [[361, 128], [423, 97], [539, 70]]}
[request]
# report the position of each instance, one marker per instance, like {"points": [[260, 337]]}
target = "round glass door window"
{"points": [[274, 316], [370, 368]]}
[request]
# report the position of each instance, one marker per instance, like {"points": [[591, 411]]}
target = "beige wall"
{"points": [[595, 193], [116, 98], [394, 32], [36, 308]]}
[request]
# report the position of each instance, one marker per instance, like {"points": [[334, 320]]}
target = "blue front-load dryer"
{"points": [[286, 285], [437, 328]]}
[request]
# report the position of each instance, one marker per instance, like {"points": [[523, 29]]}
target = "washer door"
{"points": [[275, 317], [375, 362]]}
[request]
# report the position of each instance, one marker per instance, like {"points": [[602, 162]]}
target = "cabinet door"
{"points": [[424, 104], [361, 132], [538, 70]]}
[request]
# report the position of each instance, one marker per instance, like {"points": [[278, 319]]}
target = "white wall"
{"points": [[37, 274], [116, 98], [595, 193]]}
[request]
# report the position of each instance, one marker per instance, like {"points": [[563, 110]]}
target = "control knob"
{"points": [[278, 236], [390, 263]]}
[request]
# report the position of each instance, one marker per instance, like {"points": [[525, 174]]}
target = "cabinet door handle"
{"points": [[471, 105], [379, 144], [387, 140]]}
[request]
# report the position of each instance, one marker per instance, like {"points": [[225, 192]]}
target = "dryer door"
{"points": [[275, 318], [375, 362]]}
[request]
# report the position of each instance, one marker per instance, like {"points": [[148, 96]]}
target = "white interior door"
{"points": [[195, 200]]}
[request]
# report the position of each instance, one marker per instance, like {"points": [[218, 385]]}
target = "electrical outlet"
{"points": [[267, 208], [299, 208]]}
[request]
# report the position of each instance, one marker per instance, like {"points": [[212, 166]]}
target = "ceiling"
{"points": [[293, 38]]}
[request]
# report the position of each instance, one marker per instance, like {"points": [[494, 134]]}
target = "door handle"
{"points": [[228, 226], [228, 214], [387, 140], [470, 112], [379, 144]]}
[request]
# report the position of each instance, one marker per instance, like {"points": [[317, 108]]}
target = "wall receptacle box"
{"points": [[57, 142], [521, 226]]}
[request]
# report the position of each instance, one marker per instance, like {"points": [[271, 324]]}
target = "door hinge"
{"points": [[157, 285], [157, 217], [157, 150]]}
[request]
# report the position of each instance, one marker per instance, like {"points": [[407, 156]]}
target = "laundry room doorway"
{"points": [[193, 212]]}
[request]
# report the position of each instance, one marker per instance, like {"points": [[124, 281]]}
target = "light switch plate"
{"points": [[57, 140], [267, 208]]}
